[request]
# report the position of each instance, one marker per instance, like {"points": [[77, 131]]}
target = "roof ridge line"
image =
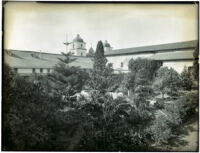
{"points": [[157, 44]]}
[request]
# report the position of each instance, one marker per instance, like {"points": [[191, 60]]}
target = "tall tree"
{"points": [[149, 67], [113, 125], [142, 73], [37, 118], [101, 75], [67, 80], [186, 79], [168, 81], [100, 106]]}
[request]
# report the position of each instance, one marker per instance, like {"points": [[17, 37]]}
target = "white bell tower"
{"points": [[78, 46]]}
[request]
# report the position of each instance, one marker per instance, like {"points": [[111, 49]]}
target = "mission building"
{"points": [[175, 55]]}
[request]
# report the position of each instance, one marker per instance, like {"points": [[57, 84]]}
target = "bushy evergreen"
{"points": [[101, 74], [38, 118], [114, 124], [66, 80], [168, 81], [45, 114], [142, 73], [187, 81]]}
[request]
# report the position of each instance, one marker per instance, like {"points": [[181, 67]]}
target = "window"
{"points": [[33, 70], [122, 64], [73, 46], [81, 45], [81, 54], [48, 70], [41, 70], [15, 70]]}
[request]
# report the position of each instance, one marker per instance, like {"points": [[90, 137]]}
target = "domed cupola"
{"points": [[78, 46], [78, 39], [107, 46], [91, 50]]}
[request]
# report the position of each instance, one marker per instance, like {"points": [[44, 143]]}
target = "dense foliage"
{"points": [[142, 73], [30, 115], [117, 124], [149, 67], [189, 101], [40, 123], [66, 81], [168, 81], [36, 111], [6, 105], [187, 81], [101, 74], [49, 114], [100, 133]]}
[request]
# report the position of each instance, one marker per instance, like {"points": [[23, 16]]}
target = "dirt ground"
{"points": [[190, 139]]}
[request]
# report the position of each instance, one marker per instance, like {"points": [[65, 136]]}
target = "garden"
{"points": [[49, 113]]}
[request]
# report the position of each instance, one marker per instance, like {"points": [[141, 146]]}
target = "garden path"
{"points": [[189, 140]]}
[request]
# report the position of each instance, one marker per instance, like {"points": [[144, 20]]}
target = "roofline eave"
{"points": [[148, 52], [174, 60]]}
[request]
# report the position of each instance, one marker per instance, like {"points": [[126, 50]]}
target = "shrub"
{"points": [[168, 81], [190, 102], [166, 125], [39, 121], [160, 130], [31, 111], [159, 104], [186, 79]]}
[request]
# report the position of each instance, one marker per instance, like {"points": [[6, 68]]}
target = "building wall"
{"points": [[78, 52], [78, 48], [30, 70], [20, 70], [177, 65], [107, 49], [77, 45], [117, 60], [37, 70]]}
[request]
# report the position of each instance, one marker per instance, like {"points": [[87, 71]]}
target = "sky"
{"points": [[45, 26]]}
